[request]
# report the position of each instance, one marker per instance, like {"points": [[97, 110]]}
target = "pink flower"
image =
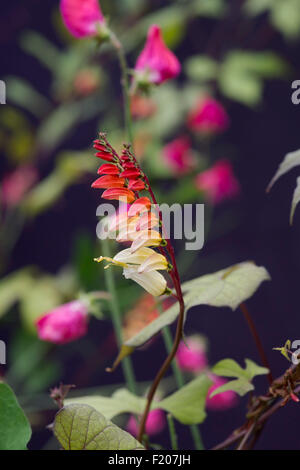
{"points": [[178, 155], [154, 425], [82, 17], [218, 182], [156, 63], [222, 401], [15, 185], [64, 324], [208, 117], [192, 357]]}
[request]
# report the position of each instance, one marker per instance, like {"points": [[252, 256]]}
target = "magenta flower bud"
{"points": [[208, 117], [64, 324], [154, 425], [218, 182], [178, 155], [222, 401], [83, 18], [156, 63], [191, 357]]}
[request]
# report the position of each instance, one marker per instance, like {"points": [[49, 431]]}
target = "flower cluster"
{"points": [[122, 180]]}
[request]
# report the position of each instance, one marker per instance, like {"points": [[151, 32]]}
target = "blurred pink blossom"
{"points": [[82, 17], [222, 401], [65, 323], [192, 357], [16, 184], [156, 63], [154, 425], [208, 117], [178, 155], [218, 182]]}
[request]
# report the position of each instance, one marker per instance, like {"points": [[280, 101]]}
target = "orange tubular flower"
{"points": [[143, 204], [109, 181], [108, 169], [119, 194]]}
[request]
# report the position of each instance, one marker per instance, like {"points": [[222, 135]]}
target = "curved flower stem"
{"points": [[257, 340], [117, 322], [125, 85], [163, 369], [168, 340]]}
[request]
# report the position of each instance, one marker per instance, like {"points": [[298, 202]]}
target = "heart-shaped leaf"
{"points": [[226, 288], [15, 430], [81, 427]]}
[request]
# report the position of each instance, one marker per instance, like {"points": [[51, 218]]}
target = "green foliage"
{"points": [[21, 93], [15, 430], [12, 288], [81, 427], [242, 73], [201, 68], [242, 384], [187, 404], [226, 288], [284, 16]]}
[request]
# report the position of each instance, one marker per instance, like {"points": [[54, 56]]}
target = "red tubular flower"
{"points": [[119, 193], [83, 18], [134, 173], [136, 185], [108, 157], [108, 169], [109, 181], [156, 63], [140, 205]]}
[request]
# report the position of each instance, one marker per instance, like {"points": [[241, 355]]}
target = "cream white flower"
{"points": [[153, 282]]}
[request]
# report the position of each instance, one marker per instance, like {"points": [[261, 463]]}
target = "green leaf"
{"points": [[81, 427], [43, 298], [15, 430], [201, 68], [42, 49], [188, 403], [122, 401], [290, 161], [12, 289], [229, 287], [242, 73], [240, 386], [285, 16], [24, 95], [230, 368], [226, 288]]}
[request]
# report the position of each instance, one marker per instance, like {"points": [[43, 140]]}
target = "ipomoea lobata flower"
{"points": [[83, 18], [156, 63], [141, 266]]}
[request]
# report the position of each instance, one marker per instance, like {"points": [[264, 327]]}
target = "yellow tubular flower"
{"points": [[154, 262]]}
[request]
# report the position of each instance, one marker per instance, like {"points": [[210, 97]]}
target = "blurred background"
{"points": [[243, 55]]}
